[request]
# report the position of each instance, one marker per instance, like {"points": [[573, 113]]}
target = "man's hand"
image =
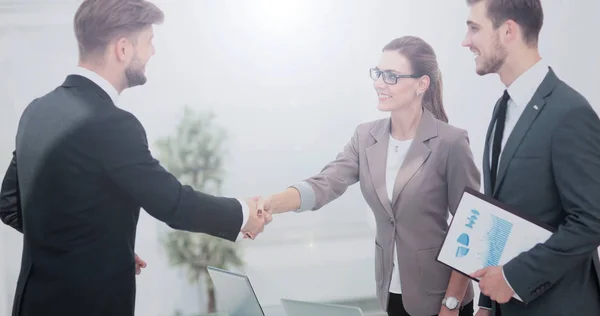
{"points": [[139, 264], [493, 284], [257, 219], [265, 205], [483, 312]]}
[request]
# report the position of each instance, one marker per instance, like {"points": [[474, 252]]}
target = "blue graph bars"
{"points": [[497, 238]]}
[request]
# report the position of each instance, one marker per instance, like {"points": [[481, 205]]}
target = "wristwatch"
{"points": [[451, 303]]}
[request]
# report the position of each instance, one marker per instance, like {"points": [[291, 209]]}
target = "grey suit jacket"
{"points": [[549, 171], [438, 166]]}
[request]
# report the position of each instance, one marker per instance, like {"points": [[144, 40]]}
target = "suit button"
{"points": [[392, 221]]}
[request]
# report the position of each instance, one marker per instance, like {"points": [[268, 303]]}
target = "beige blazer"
{"points": [[438, 166]]}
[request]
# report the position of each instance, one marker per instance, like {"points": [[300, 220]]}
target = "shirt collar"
{"points": [[101, 82], [521, 91]]}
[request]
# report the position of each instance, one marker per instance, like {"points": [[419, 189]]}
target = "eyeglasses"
{"points": [[388, 76]]}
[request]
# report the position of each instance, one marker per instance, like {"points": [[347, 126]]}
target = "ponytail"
{"points": [[433, 99]]}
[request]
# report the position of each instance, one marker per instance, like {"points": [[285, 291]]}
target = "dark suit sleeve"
{"points": [[10, 206], [576, 168], [123, 150], [485, 301]]}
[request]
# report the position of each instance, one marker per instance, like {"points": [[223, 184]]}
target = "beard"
{"points": [[496, 59], [134, 73]]}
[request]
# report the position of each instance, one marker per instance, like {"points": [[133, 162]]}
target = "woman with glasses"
{"points": [[412, 168]]}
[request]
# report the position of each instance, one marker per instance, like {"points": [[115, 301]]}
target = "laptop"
{"points": [[300, 308], [234, 293]]}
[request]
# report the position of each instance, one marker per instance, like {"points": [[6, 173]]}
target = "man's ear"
{"points": [[509, 31], [123, 49]]}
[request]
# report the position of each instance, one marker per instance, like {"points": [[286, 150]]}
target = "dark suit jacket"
{"points": [[81, 171], [549, 171]]}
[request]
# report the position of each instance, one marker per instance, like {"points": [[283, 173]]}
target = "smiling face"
{"points": [[394, 66], [484, 41]]}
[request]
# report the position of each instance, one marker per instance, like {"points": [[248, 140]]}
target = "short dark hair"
{"points": [[527, 13], [97, 22]]}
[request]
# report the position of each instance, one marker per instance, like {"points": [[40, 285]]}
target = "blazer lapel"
{"points": [[530, 113], [487, 185], [376, 160], [417, 154]]}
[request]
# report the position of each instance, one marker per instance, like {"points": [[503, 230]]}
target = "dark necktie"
{"points": [[498, 133]]}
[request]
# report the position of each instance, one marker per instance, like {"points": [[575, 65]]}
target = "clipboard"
{"points": [[485, 232]]}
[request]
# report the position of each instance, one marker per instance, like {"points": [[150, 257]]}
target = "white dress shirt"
{"points": [[521, 91], [114, 95], [396, 152]]}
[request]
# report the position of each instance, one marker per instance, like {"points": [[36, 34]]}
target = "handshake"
{"points": [[259, 216]]}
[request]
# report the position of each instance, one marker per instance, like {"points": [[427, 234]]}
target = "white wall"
{"points": [[280, 80]]}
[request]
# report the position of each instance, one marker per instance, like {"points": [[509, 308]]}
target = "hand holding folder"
{"points": [[486, 234]]}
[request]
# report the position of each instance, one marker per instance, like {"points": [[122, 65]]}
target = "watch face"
{"points": [[451, 303]]}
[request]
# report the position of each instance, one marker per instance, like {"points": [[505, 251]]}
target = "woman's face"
{"points": [[396, 86]]}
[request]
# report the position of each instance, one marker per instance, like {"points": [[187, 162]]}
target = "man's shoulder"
{"points": [[61, 98], [116, 120], [567, 98], [86, 111]]}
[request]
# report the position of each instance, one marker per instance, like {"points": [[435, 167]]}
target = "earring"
{"points": [[418, 93]]}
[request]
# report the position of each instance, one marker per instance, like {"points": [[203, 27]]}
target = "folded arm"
{"points": [[123, 152], [576, 168], [10, 206]]}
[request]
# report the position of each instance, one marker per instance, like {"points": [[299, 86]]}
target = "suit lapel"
{"points": [[376, 160], [487, 185], [530, 113], [417, 154]]}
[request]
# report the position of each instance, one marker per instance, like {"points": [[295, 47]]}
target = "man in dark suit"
{"points": [[82, 170], [542, 159]]}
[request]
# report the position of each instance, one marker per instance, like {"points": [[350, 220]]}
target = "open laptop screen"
{"points": [[234, 294]]}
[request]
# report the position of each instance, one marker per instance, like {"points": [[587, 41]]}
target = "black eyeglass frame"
{"points": [[388, 76]]}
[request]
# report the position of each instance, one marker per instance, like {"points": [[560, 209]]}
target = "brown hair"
{"points": [[528, 14], [97, 22], [423, 63]]}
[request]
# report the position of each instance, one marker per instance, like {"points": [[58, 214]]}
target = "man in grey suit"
{"points": [[541, 158]]}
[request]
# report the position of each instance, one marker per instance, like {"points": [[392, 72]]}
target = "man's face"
{"points": [[484, 41], [143, 49]]}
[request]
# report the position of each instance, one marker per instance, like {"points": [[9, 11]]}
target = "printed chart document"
{"points": [[484, 234]]}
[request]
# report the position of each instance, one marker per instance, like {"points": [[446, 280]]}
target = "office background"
{"points": [[288, 82]]}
